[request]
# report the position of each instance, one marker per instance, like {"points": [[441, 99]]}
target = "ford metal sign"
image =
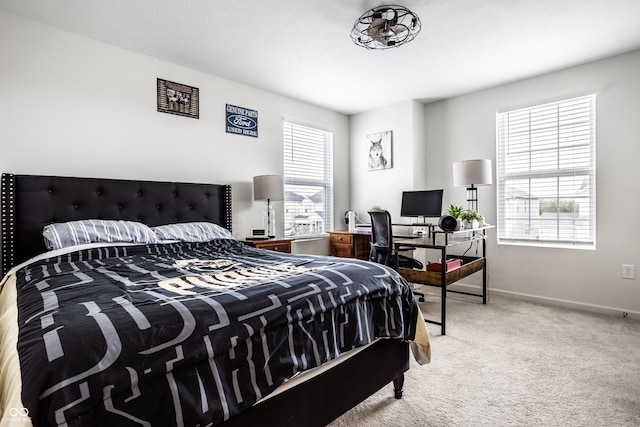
{"points": [[242, 121]]}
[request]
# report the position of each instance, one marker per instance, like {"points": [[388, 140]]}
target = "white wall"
{"points": [[464, 128], [384, 187], [76, 107]]}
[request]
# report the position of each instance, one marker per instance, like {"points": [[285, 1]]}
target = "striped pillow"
{"points": [[62, 235], [192, 232]]}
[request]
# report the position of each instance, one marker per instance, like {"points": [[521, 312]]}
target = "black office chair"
{"points": [[382, 250]]}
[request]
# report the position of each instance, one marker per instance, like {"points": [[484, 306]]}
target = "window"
{"points": [[546, 174], [308, 180]]}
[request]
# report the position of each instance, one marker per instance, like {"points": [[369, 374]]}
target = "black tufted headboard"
{"points": [[29, 202]]}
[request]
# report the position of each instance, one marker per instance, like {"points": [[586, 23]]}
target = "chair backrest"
{"points": [[381, 237]]}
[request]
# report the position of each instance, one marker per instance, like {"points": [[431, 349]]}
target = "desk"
{"points": [[348, 244], [353, 244], [442, 241]]}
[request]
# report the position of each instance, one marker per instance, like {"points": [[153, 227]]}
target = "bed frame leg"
{"points": [[398, 383]]}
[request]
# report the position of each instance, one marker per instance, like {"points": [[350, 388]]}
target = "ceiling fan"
{"points": [[385, 27]]}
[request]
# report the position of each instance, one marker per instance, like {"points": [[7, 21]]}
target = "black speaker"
{"points": [[447, 223]]}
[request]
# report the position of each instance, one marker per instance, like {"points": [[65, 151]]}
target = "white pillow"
{"points": [[192, 232], [62, 235]]}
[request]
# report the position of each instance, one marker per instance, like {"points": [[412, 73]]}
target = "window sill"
{"points": [[300, 239], [548, 244]]}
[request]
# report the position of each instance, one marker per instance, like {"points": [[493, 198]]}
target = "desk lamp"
{"points": [[269, 188], [472, 173]]}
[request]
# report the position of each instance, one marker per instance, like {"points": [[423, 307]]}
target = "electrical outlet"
{"points": [[628, 271]]}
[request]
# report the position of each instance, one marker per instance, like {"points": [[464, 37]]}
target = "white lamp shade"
{"points": [[268, 187], [472, 172]]}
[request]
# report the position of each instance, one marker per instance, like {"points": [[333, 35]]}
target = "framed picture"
{"points": [[179, 99], [242, 121], [379, 150]]}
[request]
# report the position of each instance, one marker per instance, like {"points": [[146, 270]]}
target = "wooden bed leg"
{"points": [[398, 383]]}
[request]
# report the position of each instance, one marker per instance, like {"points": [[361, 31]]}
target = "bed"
{"points": [[181, 331]]}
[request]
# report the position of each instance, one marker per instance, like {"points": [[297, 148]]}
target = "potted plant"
{"points": [[471, 218], [456, 211]]}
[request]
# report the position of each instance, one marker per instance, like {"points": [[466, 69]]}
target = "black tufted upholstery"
{"points": [[29, 202]]}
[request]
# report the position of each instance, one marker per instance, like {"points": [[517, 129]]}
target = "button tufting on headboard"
{"points": [[36, 201]]}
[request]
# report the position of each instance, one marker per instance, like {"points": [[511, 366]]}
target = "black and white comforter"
{"points": [[189, 333]]}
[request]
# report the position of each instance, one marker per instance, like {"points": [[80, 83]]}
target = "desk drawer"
{"points": [[276, 246], [341, 244], [341, 239]]}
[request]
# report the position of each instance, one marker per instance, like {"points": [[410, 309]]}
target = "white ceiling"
{"points": [[303, 49]]}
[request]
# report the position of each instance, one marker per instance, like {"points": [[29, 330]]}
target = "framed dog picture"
{"points": [[379, 150], [179, 99]]}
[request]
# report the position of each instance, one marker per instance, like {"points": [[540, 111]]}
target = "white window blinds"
{"points": [[546, 174], [308, 180]]}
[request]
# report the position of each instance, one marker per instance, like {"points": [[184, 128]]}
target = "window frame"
{"points": [[569, 136], [310, 181]]}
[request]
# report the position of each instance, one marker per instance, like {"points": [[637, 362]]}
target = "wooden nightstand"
{"points": [[278, 245]]}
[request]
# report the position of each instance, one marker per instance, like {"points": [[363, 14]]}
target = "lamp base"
{"points": [[269, 217], [472, 198]]}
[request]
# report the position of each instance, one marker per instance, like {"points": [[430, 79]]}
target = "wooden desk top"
{"points": [[368, 233]]}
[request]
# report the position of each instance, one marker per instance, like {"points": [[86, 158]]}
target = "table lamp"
{"points": [[472, 173], [268, 188]]}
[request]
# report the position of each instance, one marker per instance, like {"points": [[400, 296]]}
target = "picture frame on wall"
{"points": [[241, 120], [179, 99], [380, 155]]}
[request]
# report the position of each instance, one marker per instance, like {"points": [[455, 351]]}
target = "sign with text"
{"points": [[242, 121]]}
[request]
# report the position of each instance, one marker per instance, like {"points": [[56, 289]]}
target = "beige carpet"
{"points": [[515, 363]]}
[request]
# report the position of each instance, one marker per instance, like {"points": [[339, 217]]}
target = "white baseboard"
{"points": [[547, 300]]}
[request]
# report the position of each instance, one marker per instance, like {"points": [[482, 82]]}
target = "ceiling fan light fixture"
{"points": [[384, 27]]}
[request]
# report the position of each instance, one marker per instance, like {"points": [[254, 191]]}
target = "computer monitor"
{"points": [[426, 203]]}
